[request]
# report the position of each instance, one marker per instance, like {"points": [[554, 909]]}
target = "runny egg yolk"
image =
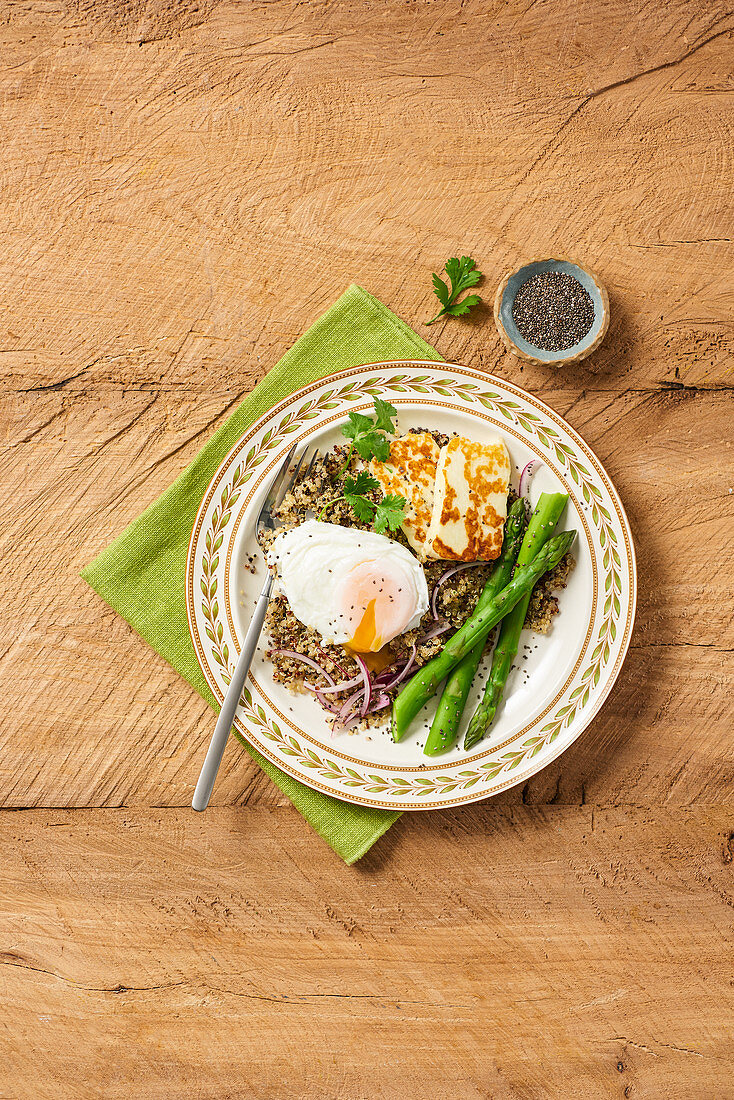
{"points": [[365, 636], [355, 588], [377, 601]]}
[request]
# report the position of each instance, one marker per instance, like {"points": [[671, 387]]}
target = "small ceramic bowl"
{"points": [[505, 298]]}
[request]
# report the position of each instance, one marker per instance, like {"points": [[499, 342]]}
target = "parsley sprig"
{"points": [[462, 274], [367, 436], [387, 515]]}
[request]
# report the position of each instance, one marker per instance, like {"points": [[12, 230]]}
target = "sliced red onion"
{"points": [[343, 685], [348, 724], [387, 673], [354, 700], [402, 674], [435, 630], [526, 475], [367, 683], [390, 670], [327, 704], [380, 703], [349, 710], [445, 576], [333, 660], [306, 661]]}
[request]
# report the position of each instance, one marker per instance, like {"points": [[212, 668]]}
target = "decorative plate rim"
{"points": [[510, 763]]}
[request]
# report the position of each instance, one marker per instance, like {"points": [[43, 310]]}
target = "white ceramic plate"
{"points": [[562, 678]]}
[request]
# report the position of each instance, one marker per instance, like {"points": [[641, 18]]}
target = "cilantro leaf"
{"points": [[371, 444], [363, 508], [367, 435], [360, 484], [358, 423], [384, 414], [381, 448], [440, 289], [464, 305], [389, 513], [462, 274]]}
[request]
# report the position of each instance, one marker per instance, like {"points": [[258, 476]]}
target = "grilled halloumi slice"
{"points": [[470, 500], [411, 473]]}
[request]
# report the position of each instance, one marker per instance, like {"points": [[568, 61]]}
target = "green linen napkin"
{"points": [[142, 574]]}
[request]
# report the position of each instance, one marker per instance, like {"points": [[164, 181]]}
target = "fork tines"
{"points": [[285, 480], [296, 471]]}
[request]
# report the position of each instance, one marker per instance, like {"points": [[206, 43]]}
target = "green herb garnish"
{"points": [[367, 437], [462, 274], [355, 489], [367, 434], [387, 515]]}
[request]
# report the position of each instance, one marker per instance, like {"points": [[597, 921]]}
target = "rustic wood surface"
{"points": [[185, 187]]}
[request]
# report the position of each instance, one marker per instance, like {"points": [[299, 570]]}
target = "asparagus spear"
{"points": [[451, 704], [424, 684], [542, 523]]}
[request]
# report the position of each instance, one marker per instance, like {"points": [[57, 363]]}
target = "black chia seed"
{"points": [[553, 311]]}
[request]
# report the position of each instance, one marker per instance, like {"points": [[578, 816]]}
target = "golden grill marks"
{"points": [[411, 473], [470, 500]]}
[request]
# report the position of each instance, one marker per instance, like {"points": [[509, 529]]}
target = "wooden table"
{"points": [[185, 187]]}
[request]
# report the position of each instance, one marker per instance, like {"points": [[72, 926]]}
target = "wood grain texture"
{"points": [[567, 953], [184, 188]]}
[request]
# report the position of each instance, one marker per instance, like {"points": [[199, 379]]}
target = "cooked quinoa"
{"points": [[456, 599]]}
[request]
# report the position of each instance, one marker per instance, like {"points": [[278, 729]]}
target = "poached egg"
{"points": [[356, 588]]}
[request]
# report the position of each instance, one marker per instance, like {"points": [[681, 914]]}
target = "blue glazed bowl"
{"points": [[505, 298]]}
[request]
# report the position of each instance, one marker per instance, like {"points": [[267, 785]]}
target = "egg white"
{"points": [[313, 561]]}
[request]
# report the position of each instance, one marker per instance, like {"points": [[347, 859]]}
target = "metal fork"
{"points": [[266, 521]]}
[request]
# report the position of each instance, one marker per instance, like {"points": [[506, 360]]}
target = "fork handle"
{"points": [[215, 752]]}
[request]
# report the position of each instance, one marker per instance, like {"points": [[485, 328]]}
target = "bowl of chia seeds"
{"points": [[551, 312]]}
